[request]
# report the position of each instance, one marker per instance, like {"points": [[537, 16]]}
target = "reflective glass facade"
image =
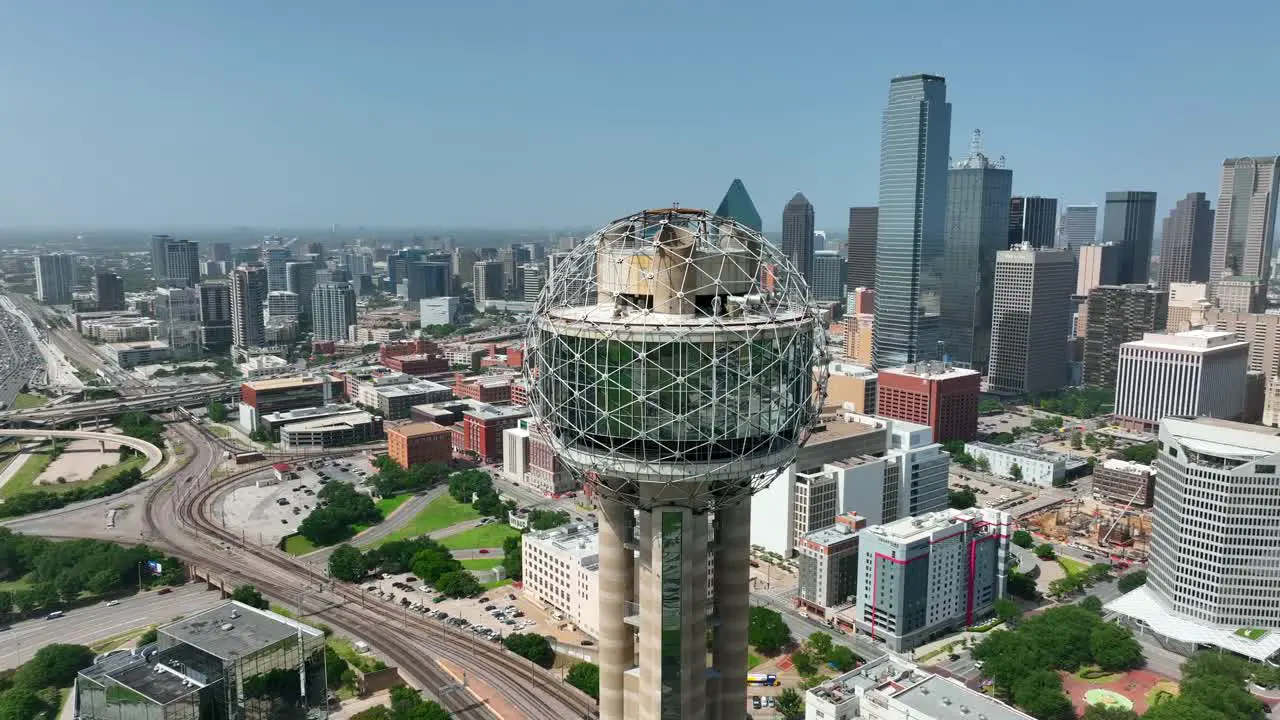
{"points": [[976, 229], [672, 625], [738, 206], [1129, 222], [914, 145], [797, 235]]}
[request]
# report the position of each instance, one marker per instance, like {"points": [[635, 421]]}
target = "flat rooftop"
{"points": [[931, 371], [831, 535], [1015, 451], [332, 422], [307, 413], [1189, 340], [251, 631], [1125, 466], [1223, 437], [422, 387], [910, 529], [833, 429], [939, 697], [484, 411], [140, 345], [577, 540], [163, 687], [412, 430], [284, 383]]}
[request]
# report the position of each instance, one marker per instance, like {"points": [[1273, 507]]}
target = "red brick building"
{"points": [[935, 394], [413, 357], [418, 443], [484, 388], [481, 429]]}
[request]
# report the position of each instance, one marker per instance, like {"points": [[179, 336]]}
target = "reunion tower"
{"points": [[674, 363]]}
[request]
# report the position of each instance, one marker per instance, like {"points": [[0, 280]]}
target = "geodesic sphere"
{"points": [[673, 358]]}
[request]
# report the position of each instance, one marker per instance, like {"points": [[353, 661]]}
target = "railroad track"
{"points": [[410, 640]]}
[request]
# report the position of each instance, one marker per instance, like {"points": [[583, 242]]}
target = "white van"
{"points": [[54, 615]]}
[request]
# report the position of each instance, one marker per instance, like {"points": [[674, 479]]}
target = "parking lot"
{"points": [[492, 616], [268, 511]]}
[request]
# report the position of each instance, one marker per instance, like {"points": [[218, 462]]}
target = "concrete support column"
{"points": [[733, 608], [617, 581]]}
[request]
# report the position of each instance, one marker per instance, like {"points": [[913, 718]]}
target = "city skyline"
{"points": [[233, 98]]}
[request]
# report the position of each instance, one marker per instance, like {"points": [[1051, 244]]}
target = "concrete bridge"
{"points": [[153, 453]]}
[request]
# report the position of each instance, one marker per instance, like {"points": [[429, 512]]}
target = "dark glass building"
{"points": [[737, 205], [1186, 241], [862, 247], [1033, 220], [1129, 221], [915, 141], [797, 235], [1118, 314]]}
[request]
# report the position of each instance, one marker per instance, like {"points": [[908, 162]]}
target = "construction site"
{"points": [[1116, 530]]}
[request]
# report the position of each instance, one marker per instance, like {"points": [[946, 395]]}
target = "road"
{"points": [[396, 520], [802, 627], [91, 624]]}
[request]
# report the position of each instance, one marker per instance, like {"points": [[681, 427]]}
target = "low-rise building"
{"points": [[1021, 464], [936, 394], [392, 394], [851, 386], [419, 443], [350, 428], [261, 367], [418, 364], [465, 355], [438, 310], [493, 389], [925, 576], [890, 688], [1125, 483], [263, 397], [828, 561], [271, 423], [528, 459], [561, 572], [480, 432], [133, 354]]}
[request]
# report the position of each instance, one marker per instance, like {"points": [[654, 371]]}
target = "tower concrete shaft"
{"points": [[617, 591]]}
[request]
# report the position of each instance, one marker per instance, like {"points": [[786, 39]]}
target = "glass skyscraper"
{"points": [[1129, 222], [797, 235], [914, 145]]}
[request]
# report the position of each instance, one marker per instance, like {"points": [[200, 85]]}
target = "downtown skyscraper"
{"points": [[1244, 226], [915, 142], [737, 205], [1186, 241], [248, 293], [1079, 226], [1129, 222], [862, 247], [978, 193], [1033, 220], [797, 235]]}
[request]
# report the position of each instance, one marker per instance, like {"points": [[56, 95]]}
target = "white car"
{"points": [[113, 603]]}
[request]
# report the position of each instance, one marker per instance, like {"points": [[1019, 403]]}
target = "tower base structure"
{"points": [[673, 627]]}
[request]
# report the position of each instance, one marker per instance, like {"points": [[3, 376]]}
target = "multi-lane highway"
{"points": [[19, 360]]}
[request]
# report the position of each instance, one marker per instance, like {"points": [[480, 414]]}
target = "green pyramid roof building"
{"points": [[737, 205]]}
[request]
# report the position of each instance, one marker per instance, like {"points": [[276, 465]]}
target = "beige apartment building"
{"points": [[1261, 331], [1187, 305]]}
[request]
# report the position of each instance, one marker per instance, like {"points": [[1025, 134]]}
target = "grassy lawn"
{"points": [[495, 584], [1072, 567], [753, 659], [1096, 675], [1251, 633], [27, 401], [481, 563], [345, 650], [14, 585], [24, 479], [386, 506], [219, 431], [106, 473], [439, 514], [298, 545], [484, 536]]}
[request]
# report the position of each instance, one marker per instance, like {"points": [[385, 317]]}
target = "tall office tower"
{"points": [[1033, 220], [862, 247], [978, 192], [1240, 294], [1260, 331], [1096, 265], [300, 279], [488, 280], [1119, 314], [1079, 226], [357, 263], [1213, 540], [1129, 222], [215, 316], [316, 248], [1030, 317], [178, 312], [828, 276], [55, 276], [181, 264], [1187, 305], [276, 260], [531, 281], [425, 279], [333, 307], [737, 205], [797, 234], [1188, 374], [915, 141], [281, 306], [860, 327], [248, 293], [671, 459], [819, 240], [463, 260], [220, 252], [158, 272], [1186, 242], [1244, 225], [108, 288]]}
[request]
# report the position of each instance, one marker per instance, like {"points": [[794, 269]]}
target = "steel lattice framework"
{"points": [[673, 358]]}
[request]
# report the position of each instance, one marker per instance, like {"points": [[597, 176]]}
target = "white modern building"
{"points": [[331, 431], [1192, 373], [55, 276], [561, 570], [923, 576], [281, 305], [333, 308], [1036, 468], [1215, 544], [178, 312], [128, 355], [261, 367], [438, 310], [392, 394], [890, 688]]}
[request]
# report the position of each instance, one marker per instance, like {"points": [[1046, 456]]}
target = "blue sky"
{"points": [[565, 112]]}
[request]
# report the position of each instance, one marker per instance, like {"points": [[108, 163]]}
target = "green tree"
{"points": [[586, 677], [961, 499], [148, 637], [1022, 539], [804, 663], [347, 564], [1015, 472], [103, 581], [458, 583], [1144, 453], [820, 644], [1180, 708], [1040, 693], [547, 519], [767, 632], [250, 596], [1102, 712], [432, 563], [1132, 581], [990, 406], [842, 658], [790, 704], [1044, 551], [1091, 603], [531, 646], [512, 556], [20, 703], [1007, 610], [982, 463], [6, 603], [217, 412], [54, 666], [1114, 648], [1077, 441]]}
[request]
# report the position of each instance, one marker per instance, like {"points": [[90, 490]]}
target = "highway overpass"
{"points": [[154, 456], [193, 395]]}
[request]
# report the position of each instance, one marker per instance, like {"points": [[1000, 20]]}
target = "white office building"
{"points": [[561, 570], [178, 312], [1192, 373], [1215, 543], [438, 311], [828, 276], [55, 276], [281, 305], [1035, 468], [333, 307], [890, 688]]}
